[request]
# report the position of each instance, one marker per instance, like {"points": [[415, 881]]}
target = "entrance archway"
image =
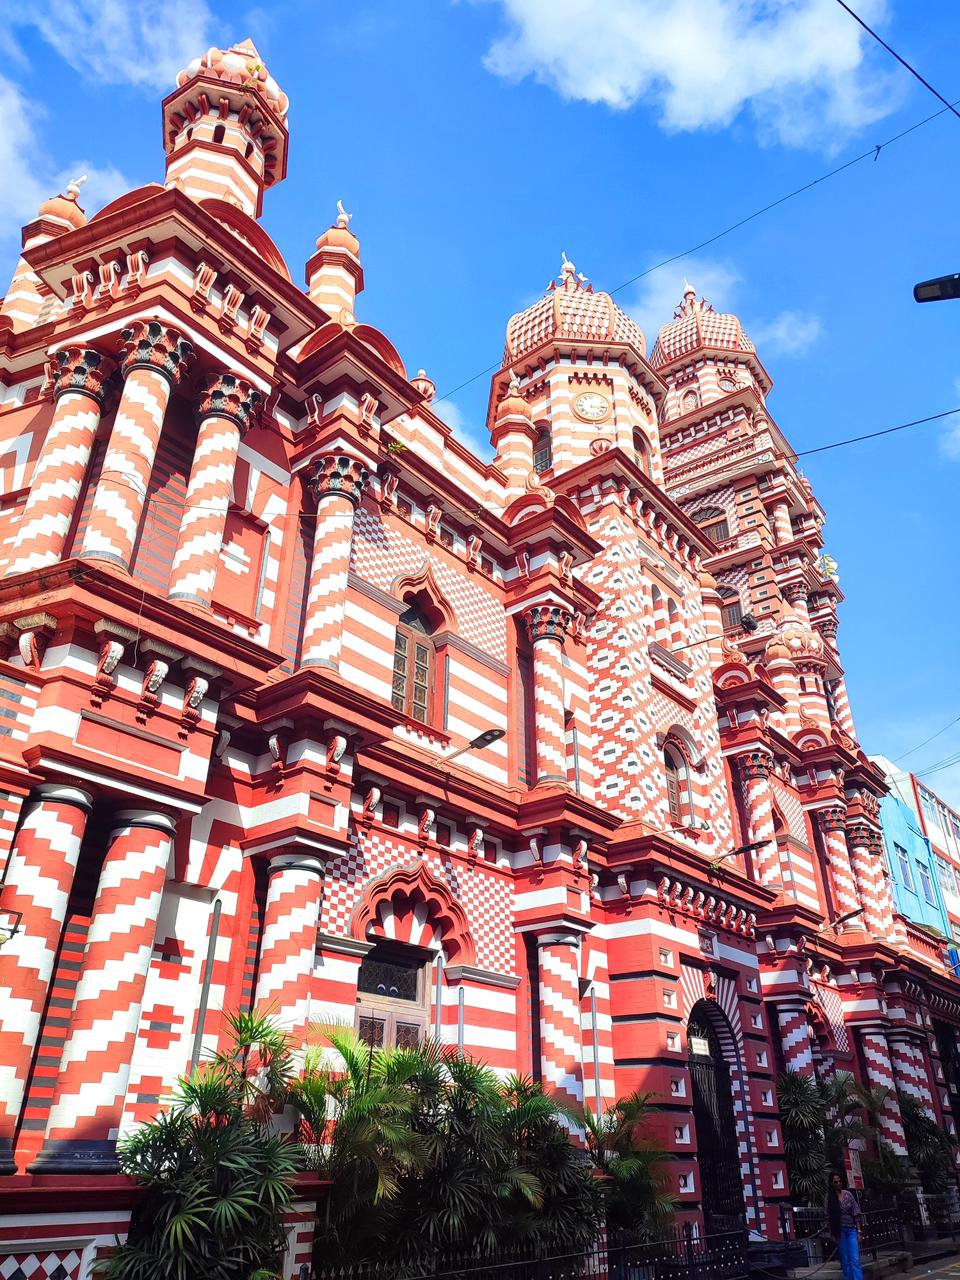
{"points": [[721, 1180]]}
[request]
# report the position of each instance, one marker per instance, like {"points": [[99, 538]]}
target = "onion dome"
{"points": [[65, 209], [571, 312], [696, 325], [801, 642], [513, 405], [426, 386], [240, 65]]}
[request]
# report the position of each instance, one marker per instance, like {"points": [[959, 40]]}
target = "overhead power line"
{"points": [[871, 153], [903, 62], [939, 732]]}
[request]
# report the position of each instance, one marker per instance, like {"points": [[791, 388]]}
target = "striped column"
{"points": [[155, 358], [910, 1068], [795, 1036], [227, 405], [337, 485], [38, 883], [561, 1047], [845, 896], [876, 1056], [868, 873], [288, 946], [548, 625], [84, 1120], [754, 769], [81, 377]]}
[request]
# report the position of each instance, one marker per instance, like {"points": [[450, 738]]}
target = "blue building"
{"points": [[912, 863]]}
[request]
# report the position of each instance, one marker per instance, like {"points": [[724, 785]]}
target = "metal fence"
{"points": [[684, 1255], [882, 1227]]}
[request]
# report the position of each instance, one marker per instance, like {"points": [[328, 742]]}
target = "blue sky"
{"points": [[475, 141]]}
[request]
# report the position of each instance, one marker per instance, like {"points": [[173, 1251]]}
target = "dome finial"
{"points": [[73, 187], [514, 383], [688, 290], [343, 218], [568, 271]]}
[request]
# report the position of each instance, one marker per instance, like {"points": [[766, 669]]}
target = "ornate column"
{"points": [[831, 821], [81, 377], [863, 843], [783, 528], [876, 1056], [910, 1067], [288, 946], [795, 1036], [548, 625], [754, 769], [337, 485], [84, 1118], [155, 358], [561, 1048], [227, 405], [38, 883]]}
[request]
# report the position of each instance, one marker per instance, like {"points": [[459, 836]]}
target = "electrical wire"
{"points": [[897, 759], [157, 499], [903, 62], [872, 153]]}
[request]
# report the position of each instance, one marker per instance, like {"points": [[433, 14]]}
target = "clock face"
{"points": [[727, 384], [591, 406]]}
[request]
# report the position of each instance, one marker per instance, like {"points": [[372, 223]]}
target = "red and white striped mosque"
{"points": [[306, 707]]}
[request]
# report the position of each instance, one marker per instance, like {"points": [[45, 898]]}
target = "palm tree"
{"points": [[931, 1150], [217, 1179], [629, 1165]]}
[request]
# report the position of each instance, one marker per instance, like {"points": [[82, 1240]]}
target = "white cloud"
{"points": [[950, 434], [659, 295], [30, 176], [791, 333], [798, 65], [139, 42], [476, 437]]}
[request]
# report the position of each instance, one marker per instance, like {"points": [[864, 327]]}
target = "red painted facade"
{"points": [[257, 597]]}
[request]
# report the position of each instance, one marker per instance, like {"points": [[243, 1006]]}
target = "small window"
{"points": [[218, 133], [945, 875], [542, 452], [641, 452], [444, 835], [413, 661], [678, 785], [714, 523], [731, 614], [903, 863], [926, 884]]}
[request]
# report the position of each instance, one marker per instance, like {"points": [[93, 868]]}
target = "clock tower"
{"points": [[581, 367]]}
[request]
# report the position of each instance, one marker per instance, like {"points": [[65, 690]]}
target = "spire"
{"points": [[334, 273]]}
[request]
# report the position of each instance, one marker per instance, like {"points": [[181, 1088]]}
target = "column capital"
{"points": [[862, 834], [795, 593], [832, 818], [337, 473], [547, 622], [227, 395], [295, 862], [60, 793], [82, 370], [754, 764], [150, 344], [143, 818], [558, 938]]}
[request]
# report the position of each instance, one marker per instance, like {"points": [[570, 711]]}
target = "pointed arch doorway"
{"points": [[718, 1152]]}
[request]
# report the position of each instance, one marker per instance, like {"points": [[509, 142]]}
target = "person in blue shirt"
{"points": [[843, 1219]]}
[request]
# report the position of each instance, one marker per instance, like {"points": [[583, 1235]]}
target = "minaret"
{"points": [[55, 217], [225, 130], [334, 273]]}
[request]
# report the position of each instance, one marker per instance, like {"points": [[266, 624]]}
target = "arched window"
{"points": [[714, 523], [678, 784], [641, 452], [731, 607], [218, 133], [414, 658], [542, 451]]}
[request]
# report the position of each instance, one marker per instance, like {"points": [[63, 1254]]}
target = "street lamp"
{"points": [[832, 924], [938, 290], [10, 922], [476, 744], [733, 853]]}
